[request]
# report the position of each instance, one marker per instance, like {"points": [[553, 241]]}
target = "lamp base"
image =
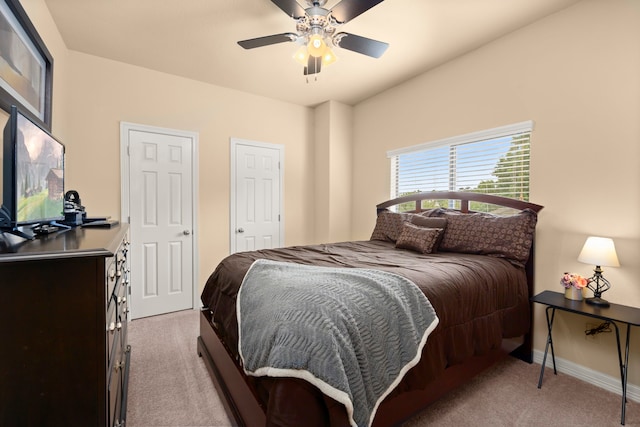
{"points": [[597, 301]]}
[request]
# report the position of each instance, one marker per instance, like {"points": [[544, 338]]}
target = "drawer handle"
{"points": [[112, 274], [113, 326]]}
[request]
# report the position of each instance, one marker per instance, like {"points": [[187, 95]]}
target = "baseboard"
{"points": [[596, 378]]}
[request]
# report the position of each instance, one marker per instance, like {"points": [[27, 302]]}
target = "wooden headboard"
{"points": [[463, 197]]}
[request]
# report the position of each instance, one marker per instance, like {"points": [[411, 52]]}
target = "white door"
{"points": [[161, 218], [256, 196]]}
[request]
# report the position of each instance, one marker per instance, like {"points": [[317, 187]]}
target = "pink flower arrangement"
{"points": [[571, 279]]}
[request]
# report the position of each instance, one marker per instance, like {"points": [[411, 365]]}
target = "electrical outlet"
{"points": [[589, 327]]}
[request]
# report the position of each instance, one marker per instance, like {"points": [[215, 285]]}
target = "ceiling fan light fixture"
{"points": [[316, 46], [316, 32], [302, 56], [329, 57]]}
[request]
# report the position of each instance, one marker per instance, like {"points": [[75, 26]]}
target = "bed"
{"points": [[475, 268]]}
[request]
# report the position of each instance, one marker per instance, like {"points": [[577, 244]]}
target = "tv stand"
{"points": [[42, 229], [18, 232], [9, 227]]}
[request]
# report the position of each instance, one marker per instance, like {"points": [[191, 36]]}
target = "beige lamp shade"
{"points": [[599, 251]]}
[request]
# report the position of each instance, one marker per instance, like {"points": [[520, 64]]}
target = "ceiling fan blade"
{"points": [[290, 7], [313, 65], [360, 44], [268, 40], [346, 10]]}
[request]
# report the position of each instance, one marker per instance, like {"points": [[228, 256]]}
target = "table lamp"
{"points": [[602, 252]]}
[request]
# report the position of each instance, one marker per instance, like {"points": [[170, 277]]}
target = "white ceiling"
{"points": [[197, 39]]}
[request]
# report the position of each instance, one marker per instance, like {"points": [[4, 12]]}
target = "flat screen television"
{"points": [[32, 176]]}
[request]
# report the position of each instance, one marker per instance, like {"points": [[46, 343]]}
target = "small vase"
{"points": [[573, 293]]}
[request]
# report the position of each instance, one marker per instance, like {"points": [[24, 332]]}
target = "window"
{"points": [[494, 161]]}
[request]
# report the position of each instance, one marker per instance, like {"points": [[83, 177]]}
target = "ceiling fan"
{"points": [[316, 32]]}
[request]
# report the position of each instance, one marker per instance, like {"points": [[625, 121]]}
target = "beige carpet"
{"points": [[170, 386]]}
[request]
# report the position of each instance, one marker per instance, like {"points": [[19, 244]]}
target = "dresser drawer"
{"points": [[122, 310], [113, 331], [115, 392], [111, 275], [116, 268]]}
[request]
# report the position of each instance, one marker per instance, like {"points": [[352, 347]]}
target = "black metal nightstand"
{"points": [[614, 314]]}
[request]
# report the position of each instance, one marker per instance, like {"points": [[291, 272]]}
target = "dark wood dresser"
{"points": [[64, 357]]}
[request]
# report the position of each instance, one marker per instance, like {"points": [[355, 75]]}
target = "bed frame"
{"points": [[239, 396]]}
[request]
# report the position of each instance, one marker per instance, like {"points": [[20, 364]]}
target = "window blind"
{"points": [[494, 161]]}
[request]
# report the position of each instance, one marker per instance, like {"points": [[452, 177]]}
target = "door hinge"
{"points": [[278, 217]]}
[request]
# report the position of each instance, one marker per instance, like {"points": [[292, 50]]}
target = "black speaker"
{"points": [[74, 213], [73, 197]]}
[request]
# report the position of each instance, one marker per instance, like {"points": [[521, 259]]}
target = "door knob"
{"points": [[240, 230], [186, 232]]}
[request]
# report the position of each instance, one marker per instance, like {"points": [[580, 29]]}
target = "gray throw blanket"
{"points": [[353, 333]]}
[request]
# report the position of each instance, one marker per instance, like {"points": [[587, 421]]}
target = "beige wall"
{"points": [[577, 75], [333, 157], [106, 92]]}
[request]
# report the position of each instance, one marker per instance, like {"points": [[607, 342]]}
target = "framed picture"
{"points": [[26, 66]]}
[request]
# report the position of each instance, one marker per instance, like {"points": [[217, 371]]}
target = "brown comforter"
{"points": [[478, 299]]}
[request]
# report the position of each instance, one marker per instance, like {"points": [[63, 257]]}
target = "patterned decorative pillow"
{"points": [[419, 239], [389, 225], [481, 233]]}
